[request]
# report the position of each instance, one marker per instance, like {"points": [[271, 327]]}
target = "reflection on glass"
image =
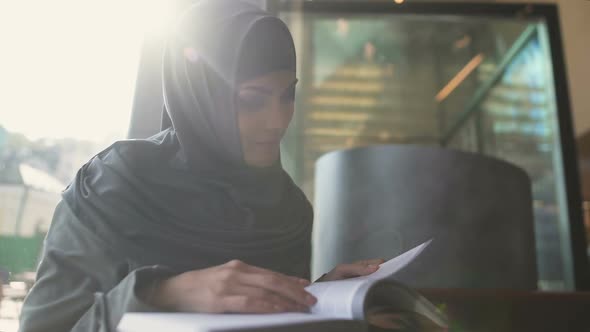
{"points": [[517, 122], [475, 84]]}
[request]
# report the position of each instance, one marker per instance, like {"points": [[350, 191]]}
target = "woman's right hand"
{"points": [[232, 287]]}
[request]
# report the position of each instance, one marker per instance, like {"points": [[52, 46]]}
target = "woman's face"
{"points": [[265, 106]]}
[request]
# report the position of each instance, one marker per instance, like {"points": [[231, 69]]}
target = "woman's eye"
{"points": [[251, 103]]}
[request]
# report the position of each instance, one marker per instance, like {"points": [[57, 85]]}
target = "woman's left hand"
{"points": [[356, 269]]}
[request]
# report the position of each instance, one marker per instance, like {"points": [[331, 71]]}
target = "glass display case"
{"points": [[483, 78]]}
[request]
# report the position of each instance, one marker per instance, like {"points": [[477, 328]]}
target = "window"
{"points": [[448, 76], [66, 91]]}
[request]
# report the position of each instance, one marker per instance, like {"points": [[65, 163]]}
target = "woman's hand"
{"points": [[233, 287], [356, 269]]}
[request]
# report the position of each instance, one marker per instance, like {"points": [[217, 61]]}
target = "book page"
{"points": [[185, 322], [336, 298], [395, 264], [389, 296]]}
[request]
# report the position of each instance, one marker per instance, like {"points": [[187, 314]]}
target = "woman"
{"points": [[200, 217]]}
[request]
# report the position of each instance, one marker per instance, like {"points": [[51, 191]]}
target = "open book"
{"points": [[370, 302]]}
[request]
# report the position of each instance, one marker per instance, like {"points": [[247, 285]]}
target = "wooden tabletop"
{"points": [[475, 310]]}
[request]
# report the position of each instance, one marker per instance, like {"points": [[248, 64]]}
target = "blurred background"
{"points": [[78, 75]]}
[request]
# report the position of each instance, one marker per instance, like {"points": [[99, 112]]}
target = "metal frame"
{"points": [[545, 12]]}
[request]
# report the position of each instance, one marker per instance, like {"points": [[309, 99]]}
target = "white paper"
{"points": [[335, 297], [188, 322], [395, 264]]}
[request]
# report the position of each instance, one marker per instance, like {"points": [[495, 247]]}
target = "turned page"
{"points": [[344, 298]]}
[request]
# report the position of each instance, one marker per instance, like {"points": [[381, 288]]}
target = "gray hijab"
{"points": [[185, 198]]}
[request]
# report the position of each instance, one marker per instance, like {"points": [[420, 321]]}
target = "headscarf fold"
{"points": [[185, 197]]}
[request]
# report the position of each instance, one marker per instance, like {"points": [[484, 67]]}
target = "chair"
{"points": [[380, 201]]}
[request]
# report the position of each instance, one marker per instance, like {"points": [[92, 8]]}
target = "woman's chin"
{"points": [[263, 160]]}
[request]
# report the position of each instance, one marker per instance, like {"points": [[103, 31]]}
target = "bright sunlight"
{"points": [[69, 66]]}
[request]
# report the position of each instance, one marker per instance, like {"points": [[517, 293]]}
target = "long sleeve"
{"points": [[81, 285]]}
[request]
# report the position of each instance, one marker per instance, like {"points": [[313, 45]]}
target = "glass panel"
{"points": [[518, 124], [471, 83]]}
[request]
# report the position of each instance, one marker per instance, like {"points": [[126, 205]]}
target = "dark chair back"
{"points": [[380, 201]]}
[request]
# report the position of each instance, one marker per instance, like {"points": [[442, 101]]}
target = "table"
{"points": [[486, 310]]}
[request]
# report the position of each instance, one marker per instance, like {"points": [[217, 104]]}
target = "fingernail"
{"points": [[304, 282], [372, 266], [309, 299], [278, 307]]}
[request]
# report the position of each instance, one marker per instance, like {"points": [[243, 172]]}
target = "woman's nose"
{"points": [[275, 117]]}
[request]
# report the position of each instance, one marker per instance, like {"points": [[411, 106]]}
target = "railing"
{"points": [[484, 89]]}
